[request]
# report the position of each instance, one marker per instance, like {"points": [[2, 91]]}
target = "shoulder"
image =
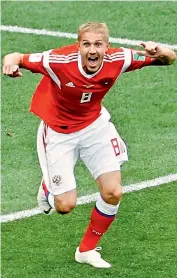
{"points": [[114, 54], [65, 54], [66, 50], [112, 50]]}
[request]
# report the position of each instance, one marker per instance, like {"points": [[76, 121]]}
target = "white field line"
{"points": [[93, 197], [45, 32]]}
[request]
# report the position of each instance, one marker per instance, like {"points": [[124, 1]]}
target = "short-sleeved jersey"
{"points": [[67, 98]]}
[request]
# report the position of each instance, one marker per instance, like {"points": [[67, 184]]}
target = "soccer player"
{"points": [[76, 125]]}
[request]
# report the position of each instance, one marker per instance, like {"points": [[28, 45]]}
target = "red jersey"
{"points": [[67, 99]]}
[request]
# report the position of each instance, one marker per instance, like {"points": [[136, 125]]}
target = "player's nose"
{"points": [[92, 49]]}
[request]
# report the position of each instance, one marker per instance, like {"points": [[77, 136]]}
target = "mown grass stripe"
{"points": [[44, 32], [93, 197]]}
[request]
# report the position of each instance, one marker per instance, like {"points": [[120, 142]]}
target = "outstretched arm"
{"points": [[11, 64], [158, 53], [33, 62]]}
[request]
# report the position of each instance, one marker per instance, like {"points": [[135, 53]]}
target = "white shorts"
{"points": [[98, 145]]}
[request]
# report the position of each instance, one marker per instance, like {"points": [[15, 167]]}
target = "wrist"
{"points": [[13, 59]]}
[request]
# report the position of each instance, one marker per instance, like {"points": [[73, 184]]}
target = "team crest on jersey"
{"points": [[57, 179], [106, 81]]}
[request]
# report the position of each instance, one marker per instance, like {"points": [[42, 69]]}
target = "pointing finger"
{"points": [[143, 44]]}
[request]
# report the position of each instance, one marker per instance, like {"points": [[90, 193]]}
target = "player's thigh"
{"points": [[58, 154], [104, 151]]}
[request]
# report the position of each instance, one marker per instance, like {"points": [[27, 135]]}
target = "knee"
{"points": [[64, 206], [116, 193], [113, 194]]}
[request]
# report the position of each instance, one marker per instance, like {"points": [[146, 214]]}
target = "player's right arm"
{"points": [[33, 62]]}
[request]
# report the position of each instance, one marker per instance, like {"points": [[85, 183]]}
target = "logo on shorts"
{"points": [[56, 179]]}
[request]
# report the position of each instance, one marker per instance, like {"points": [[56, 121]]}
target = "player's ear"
{"points": [[78, 44], [108, 45]]}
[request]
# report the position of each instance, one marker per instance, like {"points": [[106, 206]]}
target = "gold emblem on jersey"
{"points": [[88, 86]]}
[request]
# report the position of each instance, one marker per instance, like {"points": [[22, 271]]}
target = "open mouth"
{"points": [[93, 61]]}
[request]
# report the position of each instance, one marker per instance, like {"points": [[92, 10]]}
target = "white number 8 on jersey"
{"points": [[86, 97]]}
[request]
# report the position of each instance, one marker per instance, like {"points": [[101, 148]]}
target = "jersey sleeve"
{"points": [[135, 61], [41, 63], [35, 62]]}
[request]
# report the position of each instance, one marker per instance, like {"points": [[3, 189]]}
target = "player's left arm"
{"points": [[160, 55]]}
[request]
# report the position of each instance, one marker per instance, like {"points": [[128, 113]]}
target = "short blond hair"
{"points": [[99, 27]]}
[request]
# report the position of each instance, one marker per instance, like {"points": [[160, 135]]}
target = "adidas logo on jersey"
{"points": [[70, 84]]}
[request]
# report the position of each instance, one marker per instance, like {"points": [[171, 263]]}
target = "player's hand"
{"points": [[12, 70], [151, 49]]}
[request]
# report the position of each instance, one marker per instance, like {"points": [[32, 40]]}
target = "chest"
{"points": [[74, 83]]}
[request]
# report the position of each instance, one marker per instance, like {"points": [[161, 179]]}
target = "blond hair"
{"points": [[99, 27]]}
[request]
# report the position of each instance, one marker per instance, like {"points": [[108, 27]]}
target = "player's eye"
{"points": [[86, 44], [98, 44]]}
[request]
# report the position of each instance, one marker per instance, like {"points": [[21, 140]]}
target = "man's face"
{"points": [[92, 46]]}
